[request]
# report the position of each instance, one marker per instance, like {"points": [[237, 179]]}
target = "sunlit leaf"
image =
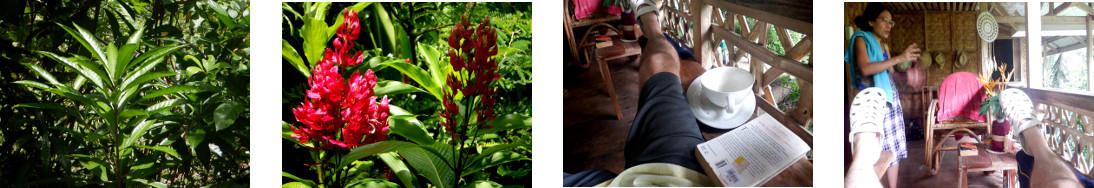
{"points": [[227, 113], [163, 149]]}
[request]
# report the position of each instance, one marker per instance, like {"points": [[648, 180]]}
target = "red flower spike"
{"points": [[335, 106], [472, 57]]}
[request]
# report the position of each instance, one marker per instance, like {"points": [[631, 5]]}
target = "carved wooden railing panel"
{"points": [[707, 28], [1066, 116]]}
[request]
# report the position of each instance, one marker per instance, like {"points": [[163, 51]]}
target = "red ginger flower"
{"points": [[334, 106], [472, 52]]}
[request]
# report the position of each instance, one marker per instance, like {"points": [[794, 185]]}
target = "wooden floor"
{"points": [[914, 174], [593, 137]]}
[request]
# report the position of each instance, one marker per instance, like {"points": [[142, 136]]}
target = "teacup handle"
{"points": [[731, 105]]}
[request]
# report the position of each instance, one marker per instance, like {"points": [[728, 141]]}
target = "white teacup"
{"points": [[727, 87]]}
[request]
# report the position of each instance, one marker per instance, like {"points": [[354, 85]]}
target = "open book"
{"points": [[752, 154]]}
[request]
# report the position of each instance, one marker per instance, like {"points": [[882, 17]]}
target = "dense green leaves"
{"points": [[142, 117]]}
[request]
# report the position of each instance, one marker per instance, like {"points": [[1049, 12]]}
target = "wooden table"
{"points": [[601, 56], [985, 161], [799, 174]]}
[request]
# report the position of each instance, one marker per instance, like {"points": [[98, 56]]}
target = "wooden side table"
{"points": [[985, 161], [619, 49]]}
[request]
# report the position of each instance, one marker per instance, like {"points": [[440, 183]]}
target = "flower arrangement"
{"points": [[990, 105]]}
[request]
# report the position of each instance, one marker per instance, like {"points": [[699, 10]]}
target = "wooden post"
{"points": [[1089, 56], [1036, 57], [701, 40]]}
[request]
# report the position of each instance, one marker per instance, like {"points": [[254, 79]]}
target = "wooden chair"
{"points": [[569, 23], [936, 132]]}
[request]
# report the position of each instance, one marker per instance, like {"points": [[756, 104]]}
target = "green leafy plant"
{"points": [[455, 119]]}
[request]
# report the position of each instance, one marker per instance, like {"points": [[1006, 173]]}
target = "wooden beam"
{"points": [[1067, 48], [776, 11], [804, 47], [792, 67], [784, 38], [1049, 20], [759, 30], [745, 29], [1058, 9], [1083, 6]]}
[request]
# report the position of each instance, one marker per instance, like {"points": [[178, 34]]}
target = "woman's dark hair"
{"points": [[873, 9]]}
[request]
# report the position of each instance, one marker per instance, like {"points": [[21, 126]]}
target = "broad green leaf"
{"points": [[132, 112], [45, 74], [151, 183], [286, 132], [165, 105], [137, 81], [372, 149], [91, 162], [418, 75], [373, 183], [506, 122], [289, 53], [151, 58], [82, 66], [385, 28], [391, 87], [34, 84], [306, 183], [40, 105], [402, 125], [396, 164], [484, 184], [436, 66], [169, 90], [88, 40], [138, 132], [315, 39], [489, 152], [221, 14], [227, 113], [194, 137], [494, 160], [125, 54], [430, 166], [163, 149], [112, 61], [295, 184]]}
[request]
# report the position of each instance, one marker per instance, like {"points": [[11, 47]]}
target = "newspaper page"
{"points": [[753, 153]]}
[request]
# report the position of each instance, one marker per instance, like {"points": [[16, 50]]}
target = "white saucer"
{"points": [[714, 116]]}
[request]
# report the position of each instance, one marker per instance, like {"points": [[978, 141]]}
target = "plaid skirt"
{"points": [[895, 140]]}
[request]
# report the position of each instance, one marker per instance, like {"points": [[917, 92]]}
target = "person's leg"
{"points": [[867, 116], [1047, 167], [658, 55]]}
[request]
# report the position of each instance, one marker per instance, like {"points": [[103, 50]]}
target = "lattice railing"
{"points": [[707, 28], [1066, 116]]}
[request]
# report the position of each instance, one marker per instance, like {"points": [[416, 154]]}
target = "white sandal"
{"points": [[867, 113], [646, 6], [1019, 111]]}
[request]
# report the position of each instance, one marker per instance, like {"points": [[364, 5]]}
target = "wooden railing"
{"points": [[1066, 116], [707, 27]]}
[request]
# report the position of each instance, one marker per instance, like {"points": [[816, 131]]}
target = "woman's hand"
{"points": [[910, 54]]}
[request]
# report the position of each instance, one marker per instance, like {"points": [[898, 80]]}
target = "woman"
{"points": [[870, 67]]}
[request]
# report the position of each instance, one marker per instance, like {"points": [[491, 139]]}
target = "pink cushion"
{"points": [[960, 95], [583, 8]]}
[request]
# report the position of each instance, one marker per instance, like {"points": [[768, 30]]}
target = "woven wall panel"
{"points": [[965, 36], [938, 31], [908, 31]]}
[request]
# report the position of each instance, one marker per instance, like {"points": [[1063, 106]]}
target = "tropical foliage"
{"points": [[124, 93], [406, 94]]}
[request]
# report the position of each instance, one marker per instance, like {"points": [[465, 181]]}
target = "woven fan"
{"points": [[987, 27]]}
